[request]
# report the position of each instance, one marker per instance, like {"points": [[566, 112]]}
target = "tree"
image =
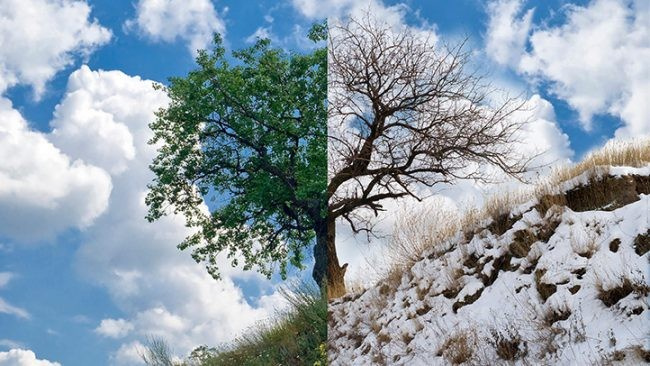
{"points": [[405, 111], [249, 137]]}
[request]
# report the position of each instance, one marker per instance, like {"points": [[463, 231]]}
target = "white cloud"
{"points": [[193, 21], [5, 277], [93, 121], [261, 33], [7, 308], [393, 15], [129, 354], [22, 357], [595, 60], [320, 9], [8, 343], [506, 35], [114, 328], [275, 302], [43, 191], [41, 37], [540, 136], [160, 289], [325, 8]]}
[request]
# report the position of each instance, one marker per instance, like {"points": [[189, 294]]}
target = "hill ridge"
{"points": [[561, 279]]}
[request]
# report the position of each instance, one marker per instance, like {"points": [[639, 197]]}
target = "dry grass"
{"points": [[430, 228], [509, 344], [460, 347], [422, 228], [545, 290], [642, 243], [355, 287], [296, 336], [635, 153], [625, 287], [587, 246]]}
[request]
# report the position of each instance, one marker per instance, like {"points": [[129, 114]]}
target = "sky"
{"points": [[578, 65], [84, 279]]}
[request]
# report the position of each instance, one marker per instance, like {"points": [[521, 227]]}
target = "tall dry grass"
{"points": [[430, 228], [420, 228], [631, 153]]}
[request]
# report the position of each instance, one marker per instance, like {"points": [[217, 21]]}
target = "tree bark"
{"points": [[335, 272], [320, 254], [327, 273]]}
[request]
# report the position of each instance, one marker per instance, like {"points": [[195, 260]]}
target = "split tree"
{"points": [[282, 145]]}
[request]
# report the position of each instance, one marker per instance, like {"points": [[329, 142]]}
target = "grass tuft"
{"points": [[293, 337]]}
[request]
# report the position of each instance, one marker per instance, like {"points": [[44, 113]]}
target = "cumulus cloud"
{"points": [[193, 21], [161, 290], [42, 190], [41, 37], [114, 328], [322, 9], [92, 122], [128, 354], [393, 15], [22, 357], [540, 136], [507, 34], [595, 59]]}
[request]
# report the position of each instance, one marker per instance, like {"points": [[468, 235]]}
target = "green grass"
{"points": [[296, 336]]}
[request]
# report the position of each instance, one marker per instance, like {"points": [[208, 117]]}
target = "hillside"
{"points": [[294, 336], [561, 279]]}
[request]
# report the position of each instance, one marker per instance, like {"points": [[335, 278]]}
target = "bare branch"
{"points": [[405, 111]]}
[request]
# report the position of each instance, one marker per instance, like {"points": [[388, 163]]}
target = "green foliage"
{"points": [[322, 355], [295, 337], [249, 136]]}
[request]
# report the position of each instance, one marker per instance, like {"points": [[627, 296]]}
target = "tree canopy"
{"points": [[247, 135]]}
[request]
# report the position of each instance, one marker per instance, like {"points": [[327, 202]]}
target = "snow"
{"points": [[409, 323]]}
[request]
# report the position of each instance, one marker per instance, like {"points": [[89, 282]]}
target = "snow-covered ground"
{"points": [[558, 287]]}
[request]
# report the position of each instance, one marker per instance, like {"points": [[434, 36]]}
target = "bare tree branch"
{"points": [[406, 111]]}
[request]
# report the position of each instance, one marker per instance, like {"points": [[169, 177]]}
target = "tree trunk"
{"points": [[335, 272], [327, 270], [320, 254]]}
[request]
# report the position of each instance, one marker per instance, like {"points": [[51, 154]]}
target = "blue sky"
{"points": [[469, 18], [59, 306], [84, 279]]}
